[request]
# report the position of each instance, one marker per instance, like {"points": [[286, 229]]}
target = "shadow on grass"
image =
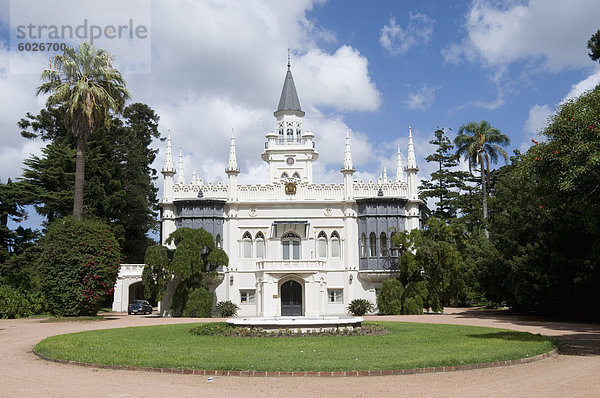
{"points": [[510, 336], [579, 338]]}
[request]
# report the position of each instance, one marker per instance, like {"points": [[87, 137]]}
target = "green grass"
{"points": [[410, 345]]}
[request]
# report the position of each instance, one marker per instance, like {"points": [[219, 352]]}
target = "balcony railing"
{"points": [[290, 265]]}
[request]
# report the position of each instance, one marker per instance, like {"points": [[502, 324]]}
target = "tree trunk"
{"points": [[484, 196], [79, 178]]}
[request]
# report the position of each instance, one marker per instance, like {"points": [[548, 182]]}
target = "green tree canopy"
{"points": [[79, 262], [85, 86], [194, 258], [480, 144], [119, 176], [445, 183], [593, 45]]}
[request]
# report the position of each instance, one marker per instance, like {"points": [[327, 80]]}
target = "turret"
{"points": [[411, 168], [168, 209], [413, 203], [168, 172], [289, 151], [232, 169]]}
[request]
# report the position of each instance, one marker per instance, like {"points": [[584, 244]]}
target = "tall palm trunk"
{"points": [[79, 178], [484, 194]]}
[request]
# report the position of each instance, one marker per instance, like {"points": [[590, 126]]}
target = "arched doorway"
{"points": [[136, 291], [291, 298]]}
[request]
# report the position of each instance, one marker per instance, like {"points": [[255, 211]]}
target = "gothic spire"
{"points": [[348, 155], [399, 170], [168, 156], [232, 165], [289, 97], [180, 176], [411, 161]]}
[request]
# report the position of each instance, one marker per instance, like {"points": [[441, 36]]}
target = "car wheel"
{"points": [[129, 313]]}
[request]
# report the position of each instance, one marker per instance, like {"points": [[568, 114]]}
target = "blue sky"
{"points": [[370, 67]]}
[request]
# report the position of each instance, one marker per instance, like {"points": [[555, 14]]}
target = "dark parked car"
{"points": [[139, 307]]}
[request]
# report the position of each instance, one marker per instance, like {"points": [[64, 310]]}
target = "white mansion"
{"points": [[295, 247]]}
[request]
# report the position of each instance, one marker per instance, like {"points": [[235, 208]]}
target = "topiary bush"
{"points": [[359, 307], [227, 308], [389, 301], [199, 303], [79, 264]]}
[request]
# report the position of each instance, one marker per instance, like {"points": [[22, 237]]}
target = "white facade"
{"points": [[295, 247]]}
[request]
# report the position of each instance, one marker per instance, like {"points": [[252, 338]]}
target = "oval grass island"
{"points": [[408, 346]]}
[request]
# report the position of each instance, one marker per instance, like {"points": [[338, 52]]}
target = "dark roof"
{"points": [[289, 97]]}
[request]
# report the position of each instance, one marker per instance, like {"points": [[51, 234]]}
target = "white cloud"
{"points": [[398, 41], [585, 85], [538, 118], [552, 33], [340, 80], [221, 65], [421, 99]]}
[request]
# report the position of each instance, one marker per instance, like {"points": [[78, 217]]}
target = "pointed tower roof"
{"points": [[168, 168], [232, 166], [348, 166], [399, 170], [411, 161], [180, 175], [289, 97]]}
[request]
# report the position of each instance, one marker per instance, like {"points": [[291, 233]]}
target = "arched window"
{"points": [[284, 176], [393, 247], [281, 133], [218, 241], [363, 245], [322, 245], [335, 244], [290, 135], [383, 248], [260, 245], [372, 245], [296, 175], [247, 245], [291, 246]]}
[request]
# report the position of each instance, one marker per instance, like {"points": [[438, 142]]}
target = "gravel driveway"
{"points": [[574, 372]]}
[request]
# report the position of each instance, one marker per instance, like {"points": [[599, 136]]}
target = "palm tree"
{"points": [[479, 143], [88, 88]]}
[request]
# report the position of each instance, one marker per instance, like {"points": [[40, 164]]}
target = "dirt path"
{"points": [[575, 372]]}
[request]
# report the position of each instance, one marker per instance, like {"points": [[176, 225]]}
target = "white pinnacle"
{"points": [[399, 171], [348, 154], [180, 176], [232, 164], [169, 155], [411, 161]]}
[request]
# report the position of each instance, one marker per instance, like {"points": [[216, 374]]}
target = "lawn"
{"points": [[410, 345]]}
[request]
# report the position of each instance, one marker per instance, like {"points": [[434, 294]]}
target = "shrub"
{"points": [[413, 306], [79, 264], [359, 307], [223, 329], [199, 303], [211, 329], [389, 300], [227, 308], [13, 304]]}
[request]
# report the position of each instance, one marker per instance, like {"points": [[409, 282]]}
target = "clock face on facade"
{"points": [[290, 161]]}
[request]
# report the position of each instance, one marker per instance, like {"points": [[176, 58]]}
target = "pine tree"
{"points": [[445, 183], [119, 179]]}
